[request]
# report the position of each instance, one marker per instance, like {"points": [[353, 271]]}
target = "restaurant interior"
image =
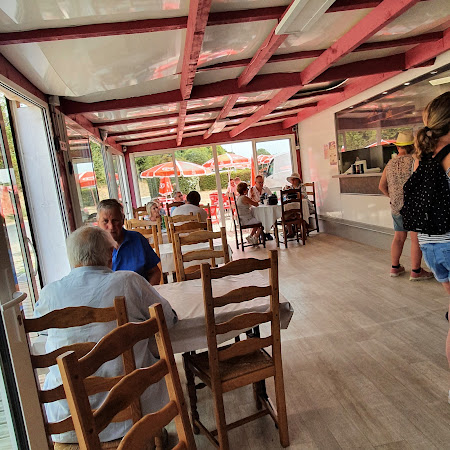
{"points": [[138, 101]]}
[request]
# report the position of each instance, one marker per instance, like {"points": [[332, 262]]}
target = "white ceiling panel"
{"points": [[256, 97], [17, 15], [212, 102], [286, 66], [233, 5], [133, 113], [328, 29], [141, 125]]}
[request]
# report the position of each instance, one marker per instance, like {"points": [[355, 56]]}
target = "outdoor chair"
{"points": [[176, 221], [237, 224], [291, 217], [182, 240], [140, 212], [228, 367], [311, 192], [68, 318], [79, 383]]}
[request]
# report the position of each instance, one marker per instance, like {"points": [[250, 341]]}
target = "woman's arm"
{"points": [[248, 201], [383, 186]]}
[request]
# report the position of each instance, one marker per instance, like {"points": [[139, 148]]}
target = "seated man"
{"points": [[133, 251], [191, 206], [91, 282], [177, 197], [255, 193]]}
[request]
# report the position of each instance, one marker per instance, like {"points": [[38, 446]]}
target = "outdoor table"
{"points": [[186, 298], [167, 257], [268, 214]]}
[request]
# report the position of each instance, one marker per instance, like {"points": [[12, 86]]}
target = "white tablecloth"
{"points": [[186, 299], [269, 214], [168, 262]]}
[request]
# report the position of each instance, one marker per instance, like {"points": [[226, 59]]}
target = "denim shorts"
{"points": [[398, 222], [437, 257]]}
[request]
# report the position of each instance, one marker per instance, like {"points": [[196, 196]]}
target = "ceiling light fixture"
{"points": [[406, 84], [302, 15], [434, 72], [439, 81], [384, 93]]}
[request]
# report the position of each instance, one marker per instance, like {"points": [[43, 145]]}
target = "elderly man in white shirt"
{"points": [[255, 193], [91, 282]]}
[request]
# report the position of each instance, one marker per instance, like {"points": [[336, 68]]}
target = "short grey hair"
{"points": [[89, 246], [110, 203]]}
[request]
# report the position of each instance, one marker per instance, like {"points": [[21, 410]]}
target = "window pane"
{"points": [[99, 169]]}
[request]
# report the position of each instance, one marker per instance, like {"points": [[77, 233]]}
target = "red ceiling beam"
{"points": [[136, 26], [217, 138], [231, 100], [296, 56], [379, 17], [181, 122], [197, 19], [384, 13]]}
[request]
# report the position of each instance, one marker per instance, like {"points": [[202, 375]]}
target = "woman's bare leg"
{"points": [[397, 247], [416, 253]]}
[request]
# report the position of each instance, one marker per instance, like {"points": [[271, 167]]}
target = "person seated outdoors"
{"points": [[91, 282], [191, 206], [177, 197], [255, 193], [231, 189], [243, 205], [162, 211], [133, 252]]}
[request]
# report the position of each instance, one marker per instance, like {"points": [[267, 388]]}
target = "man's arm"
{"points": [[154, 275]]}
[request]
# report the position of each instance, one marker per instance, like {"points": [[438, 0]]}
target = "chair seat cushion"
{"points": [[234, 367]]}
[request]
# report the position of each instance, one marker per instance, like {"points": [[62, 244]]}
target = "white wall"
{"points": [[318, 130]]}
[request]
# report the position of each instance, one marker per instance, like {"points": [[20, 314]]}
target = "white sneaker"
{"points": [[249, 239], [255, 240]]}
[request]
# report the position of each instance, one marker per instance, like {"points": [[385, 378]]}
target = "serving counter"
{"points": [[365, 184]]}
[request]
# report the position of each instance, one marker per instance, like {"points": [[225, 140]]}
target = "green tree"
{"points": [[97, 160], [262, 151]]}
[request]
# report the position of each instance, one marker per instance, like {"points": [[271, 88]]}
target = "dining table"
{"points": [[269, 214], [186, 298]]}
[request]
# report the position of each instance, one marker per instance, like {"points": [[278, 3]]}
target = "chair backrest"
{"points": [[291, 205], [140, 225], [242, 321], [67, 318], [182, 240], [311, 192], [140, 212], [78, 384], [207, 208], [149, 230], [169, 206], [185, 218]]}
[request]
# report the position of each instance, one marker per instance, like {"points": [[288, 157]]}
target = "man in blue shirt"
{"points": [[133, 251]]}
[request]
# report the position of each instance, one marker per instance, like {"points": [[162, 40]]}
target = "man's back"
{"points": [[188, 209], [96, 287]]}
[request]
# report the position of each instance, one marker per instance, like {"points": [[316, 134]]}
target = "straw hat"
{"points": [[404, 138], [293, 175]]}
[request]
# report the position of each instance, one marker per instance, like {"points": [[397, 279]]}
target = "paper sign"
{"points": [[333, 154], [326, 153]]}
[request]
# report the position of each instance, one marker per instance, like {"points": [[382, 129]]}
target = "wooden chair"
{"points": [[67, 318], [140, 224], [140, 212], [236, 218], [291, 217], [207, 208], [149, 230], [169, 206], [230, 367], [122, 391], [185, 218], [197, 237], [311, 192]]}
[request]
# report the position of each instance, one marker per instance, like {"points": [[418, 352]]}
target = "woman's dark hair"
{"points": [[242, 187], [436, 117], [408, 148]]}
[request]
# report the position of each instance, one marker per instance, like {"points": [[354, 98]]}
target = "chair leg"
{"points": [[304, 231], [221, 425], [317, 220], [277, 237], [263, 237], [190, 381], [242, 241], [281, 409], [236, 235]]}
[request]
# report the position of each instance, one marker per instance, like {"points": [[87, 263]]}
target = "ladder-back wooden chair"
{"points": [[230, 367], [311, 192], [149, 230], [177, 221], [78, 384], [67, 318], [140, 224], [140, 212], [291, 217], [183, 255], [237, 222]]}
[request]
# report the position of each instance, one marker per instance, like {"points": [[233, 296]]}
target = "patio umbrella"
{"points": [[382, 142], [86, 179], [264, 159], [184, 169], [229, 160], [165, 186]]}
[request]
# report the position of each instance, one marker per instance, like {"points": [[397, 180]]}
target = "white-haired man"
{"points": [[133, 251], [91, 282]]}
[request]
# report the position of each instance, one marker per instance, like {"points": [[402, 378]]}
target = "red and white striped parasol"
{"points": [[184, 169], [228, 161], [165, 186]]}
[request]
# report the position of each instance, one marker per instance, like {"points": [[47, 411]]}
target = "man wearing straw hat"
{"points": [[395, 175]]}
